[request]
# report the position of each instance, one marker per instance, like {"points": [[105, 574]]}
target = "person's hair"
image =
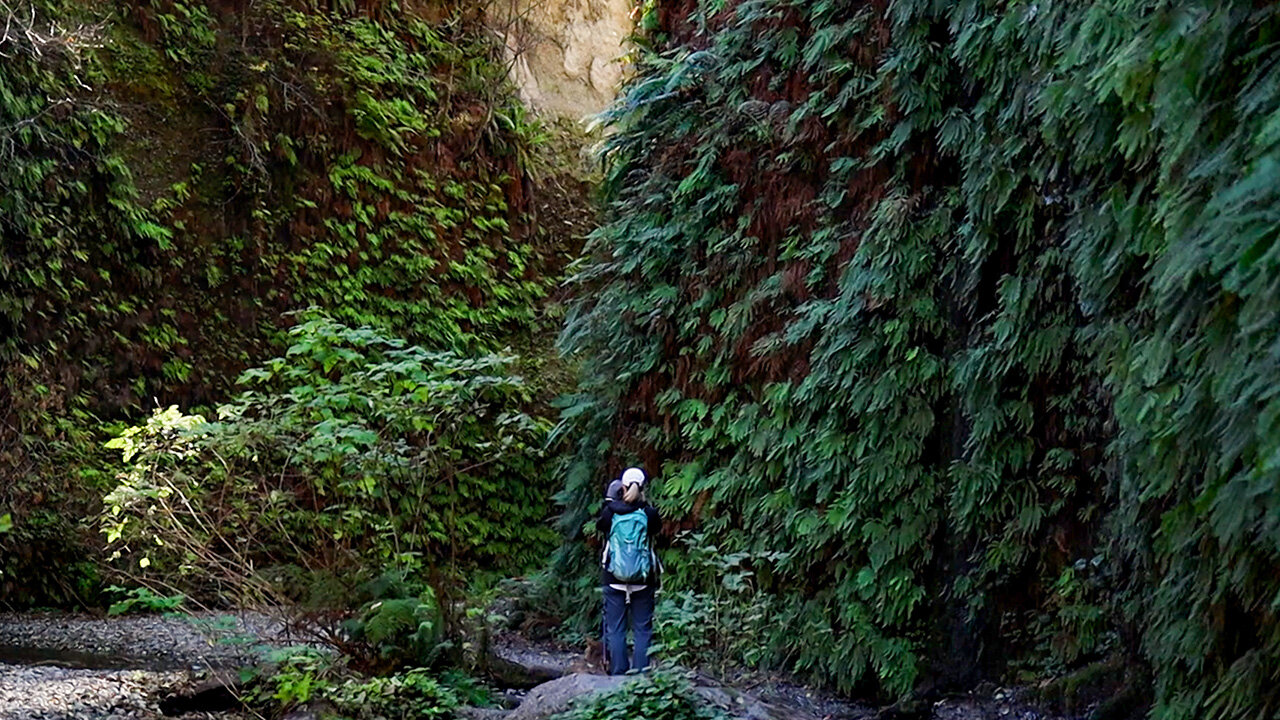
{"points": [[632, 494]]}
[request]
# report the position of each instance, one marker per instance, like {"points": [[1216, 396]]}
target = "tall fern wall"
{"points": [[175, 175], [969, 306]]}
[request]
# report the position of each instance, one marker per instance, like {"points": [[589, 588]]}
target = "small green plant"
{"points": [[396, 632], [300, 673], [468, 690], [143, 600], [711, 613], [305, 675], [416, 695]]}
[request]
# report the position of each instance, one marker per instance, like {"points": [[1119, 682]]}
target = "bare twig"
{"points": [[23, 34]]}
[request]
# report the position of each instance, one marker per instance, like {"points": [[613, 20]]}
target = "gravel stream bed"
{"points": [[79, 667], [142, 641], [57, 693]]}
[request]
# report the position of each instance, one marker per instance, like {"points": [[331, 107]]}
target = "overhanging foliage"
{"points": [[352, 454], [971, 308], [175, 176]]}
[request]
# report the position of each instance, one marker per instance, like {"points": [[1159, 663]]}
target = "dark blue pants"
{"points": [[616, 610]]}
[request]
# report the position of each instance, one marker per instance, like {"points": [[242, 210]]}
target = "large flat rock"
{"points": [[558, 695]]}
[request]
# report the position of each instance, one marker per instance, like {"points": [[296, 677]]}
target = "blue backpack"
{"points": [[627, 555]]}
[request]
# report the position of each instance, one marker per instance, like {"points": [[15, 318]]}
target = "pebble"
{"points": [[163, 642], [54, 693], [90, 668]]}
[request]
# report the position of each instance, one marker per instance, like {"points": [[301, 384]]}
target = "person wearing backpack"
{"points": [[629, 572]]}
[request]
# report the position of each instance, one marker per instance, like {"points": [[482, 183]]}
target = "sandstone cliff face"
{"points": [[567, 55]]}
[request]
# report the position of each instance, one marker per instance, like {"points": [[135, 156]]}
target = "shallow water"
{"points": [[76, 659]]}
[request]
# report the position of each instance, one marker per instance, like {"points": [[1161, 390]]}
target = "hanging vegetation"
{"points": [[968, 307], [352, 455], [177, 175]]}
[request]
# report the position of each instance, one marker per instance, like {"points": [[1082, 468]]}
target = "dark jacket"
{"points": [[604, 522]]}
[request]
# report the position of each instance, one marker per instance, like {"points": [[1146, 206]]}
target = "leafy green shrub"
{"points": [[305, 676], [353, 452], [660, 695], [411, 695], [143, 600], [397, 631], [711, 612]]}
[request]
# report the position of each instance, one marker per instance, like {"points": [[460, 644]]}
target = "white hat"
{"points": [[632, 476]]}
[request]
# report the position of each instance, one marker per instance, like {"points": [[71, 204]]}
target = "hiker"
{"points": [[614, 491], [630, 572]]}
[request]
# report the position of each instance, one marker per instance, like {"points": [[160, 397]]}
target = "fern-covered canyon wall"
{"points": [[947, 329], [957, 321], [179, 175]]}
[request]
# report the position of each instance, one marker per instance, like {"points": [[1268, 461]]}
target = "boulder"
{"points": [[745, 706], [558, 695]]}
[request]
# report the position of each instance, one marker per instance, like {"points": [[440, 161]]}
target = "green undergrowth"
{"points": [[353, 454], [142, 600], [956, 321], [303, 678]]}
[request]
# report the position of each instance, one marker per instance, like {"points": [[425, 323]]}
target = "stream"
{"points": [[80, 660]]}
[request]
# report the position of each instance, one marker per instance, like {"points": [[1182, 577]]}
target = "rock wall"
{"points": [[566, 56]]}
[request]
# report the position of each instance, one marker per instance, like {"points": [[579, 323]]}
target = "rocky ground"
{"points": [[58, 693], [749, 697], [80, 667], [156, 642], [66, 667]]}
